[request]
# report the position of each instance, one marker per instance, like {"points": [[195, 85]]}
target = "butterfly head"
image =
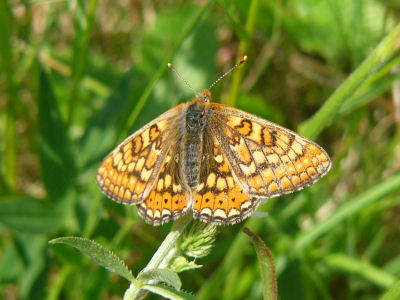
{"points": [[205, 95]]}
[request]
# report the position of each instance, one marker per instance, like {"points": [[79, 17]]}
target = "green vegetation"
{"points": [[76, 77]]}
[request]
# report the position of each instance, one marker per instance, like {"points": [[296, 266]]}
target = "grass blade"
{"points": [[383, 52], [146, 93], [363, 269], [350, 208], [6, 64], [83, 26]]}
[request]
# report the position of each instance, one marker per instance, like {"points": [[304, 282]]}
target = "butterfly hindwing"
{"points": [[168, 198], [219, 197]]}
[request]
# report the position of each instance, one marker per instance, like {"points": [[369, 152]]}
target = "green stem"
{"points": [[6, 63], [268, 51], [134, 291], [232, 257], [389, 47], [169, 242], [81, 49], [56, 287], [149, 88], [243, 48], [91, 219]]}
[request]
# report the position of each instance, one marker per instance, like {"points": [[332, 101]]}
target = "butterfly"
{"points": [[212, 159]]}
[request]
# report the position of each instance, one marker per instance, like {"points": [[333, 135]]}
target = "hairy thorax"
{"points": [[192, 141]]}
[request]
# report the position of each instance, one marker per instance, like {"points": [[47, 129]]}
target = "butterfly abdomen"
{"points": [[192, 141]]}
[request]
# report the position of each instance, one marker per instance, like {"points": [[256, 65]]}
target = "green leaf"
{"points": [[181, 264], [58, 165], [97, 253], [168, 292], [333, 28], [267, 266], [161, 275], [28, 214]]}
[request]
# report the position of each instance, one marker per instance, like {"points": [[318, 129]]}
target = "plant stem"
{"points": [[82, 45], [243, 48], [232, 257], [382, 53], [134, 291], [9, 173], [169, 241], [149, 88], [56, 287]]}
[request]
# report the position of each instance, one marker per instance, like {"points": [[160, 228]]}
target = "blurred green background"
{"points": [[76, 77]]}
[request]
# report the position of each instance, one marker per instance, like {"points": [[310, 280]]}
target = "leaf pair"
{"points": [[144, 281]]}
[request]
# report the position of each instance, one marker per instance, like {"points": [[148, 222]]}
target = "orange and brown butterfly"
{"points": [[214, 160]]}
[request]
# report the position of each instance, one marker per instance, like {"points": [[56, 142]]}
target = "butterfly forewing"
{"points": [[128, 173], [267, 159]]}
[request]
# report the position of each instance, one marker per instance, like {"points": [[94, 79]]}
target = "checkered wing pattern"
{"points": [[215, 159], [129, 172], [267, 159], [220, 198], [168, 198]]}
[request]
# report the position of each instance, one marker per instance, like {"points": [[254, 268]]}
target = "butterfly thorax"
{"points": [[195, 117], [192, 141]]}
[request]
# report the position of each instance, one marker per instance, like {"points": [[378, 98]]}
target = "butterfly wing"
{"points": [[219, 197], [129, 172], [267, 159], [168, 198]]}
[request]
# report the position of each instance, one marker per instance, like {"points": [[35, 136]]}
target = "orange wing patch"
{"points": [[268, 160], [219, 197], [168, 198], [127, 174]]}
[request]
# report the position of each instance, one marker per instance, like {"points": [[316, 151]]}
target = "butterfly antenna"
{"points": [[243, 60], [183, 79]]}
